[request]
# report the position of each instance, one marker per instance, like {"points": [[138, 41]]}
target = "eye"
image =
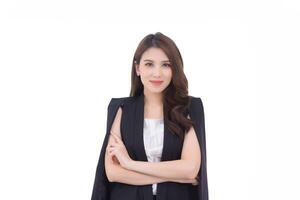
{"points": [[148, 64], [167, 65]]}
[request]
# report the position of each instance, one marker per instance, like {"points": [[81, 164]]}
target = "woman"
{"points": [[154, 146]]}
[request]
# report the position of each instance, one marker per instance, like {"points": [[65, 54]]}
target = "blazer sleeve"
{"points": [[197, 115], [101, 183]]}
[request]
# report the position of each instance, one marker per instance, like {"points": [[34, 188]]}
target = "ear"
{"points": [[137, 69]]}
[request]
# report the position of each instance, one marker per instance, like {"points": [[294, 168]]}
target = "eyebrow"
{"points": [[152, 60]]}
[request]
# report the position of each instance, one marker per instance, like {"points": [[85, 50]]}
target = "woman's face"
{"points": [[154, 66]]}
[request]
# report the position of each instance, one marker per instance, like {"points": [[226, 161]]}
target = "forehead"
{"points": [[154, 54]]}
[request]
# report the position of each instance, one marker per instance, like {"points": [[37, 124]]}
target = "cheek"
{"points": [[168, 74], [146, 73]]}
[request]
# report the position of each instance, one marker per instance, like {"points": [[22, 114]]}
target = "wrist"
{"points": [[131, 164]]}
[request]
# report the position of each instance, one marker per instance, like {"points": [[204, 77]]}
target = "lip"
{"points": [[154, 82]]}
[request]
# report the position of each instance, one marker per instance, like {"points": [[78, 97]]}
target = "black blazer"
{"points": [[132, 121]]}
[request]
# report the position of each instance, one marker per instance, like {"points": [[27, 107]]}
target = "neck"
{"points": [[153, 99]]}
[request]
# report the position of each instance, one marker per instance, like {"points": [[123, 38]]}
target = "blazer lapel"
{"points": [[139, 128], [139, 131]]}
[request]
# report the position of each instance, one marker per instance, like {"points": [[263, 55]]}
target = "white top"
{"points": [[153, 141]]}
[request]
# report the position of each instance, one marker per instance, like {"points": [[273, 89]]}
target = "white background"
{"points": [[62, 61]]}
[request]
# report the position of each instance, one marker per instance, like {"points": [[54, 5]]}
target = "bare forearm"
{"points": [[126, 176], [123, 175], [170, 170]]}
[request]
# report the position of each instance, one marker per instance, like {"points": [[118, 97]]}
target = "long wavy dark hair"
{"points": [[176, 100]]}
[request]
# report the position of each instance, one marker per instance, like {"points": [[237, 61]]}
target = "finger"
{"points": [[109, 153], [110, 146], [114, 144], [116, 137], [114, 148], [113, 140], [111, 150], [118, 142], [115, 134]]}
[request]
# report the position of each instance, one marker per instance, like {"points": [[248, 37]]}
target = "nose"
{"points": [[157, 71]]}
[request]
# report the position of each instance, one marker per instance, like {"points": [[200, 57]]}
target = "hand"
{"points": [[195, 182], [118, 149]]}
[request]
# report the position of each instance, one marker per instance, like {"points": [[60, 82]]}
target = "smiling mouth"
{"points": [[156, 82]]}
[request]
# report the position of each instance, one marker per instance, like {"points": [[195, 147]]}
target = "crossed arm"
{"points": [[183, 170], [116, 173]]}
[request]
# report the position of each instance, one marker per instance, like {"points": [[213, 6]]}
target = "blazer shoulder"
{"points": [[196, 100], [196, 105], [115, 101]]}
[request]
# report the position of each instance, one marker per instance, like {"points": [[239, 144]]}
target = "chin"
{"points": [[157, 90]]}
